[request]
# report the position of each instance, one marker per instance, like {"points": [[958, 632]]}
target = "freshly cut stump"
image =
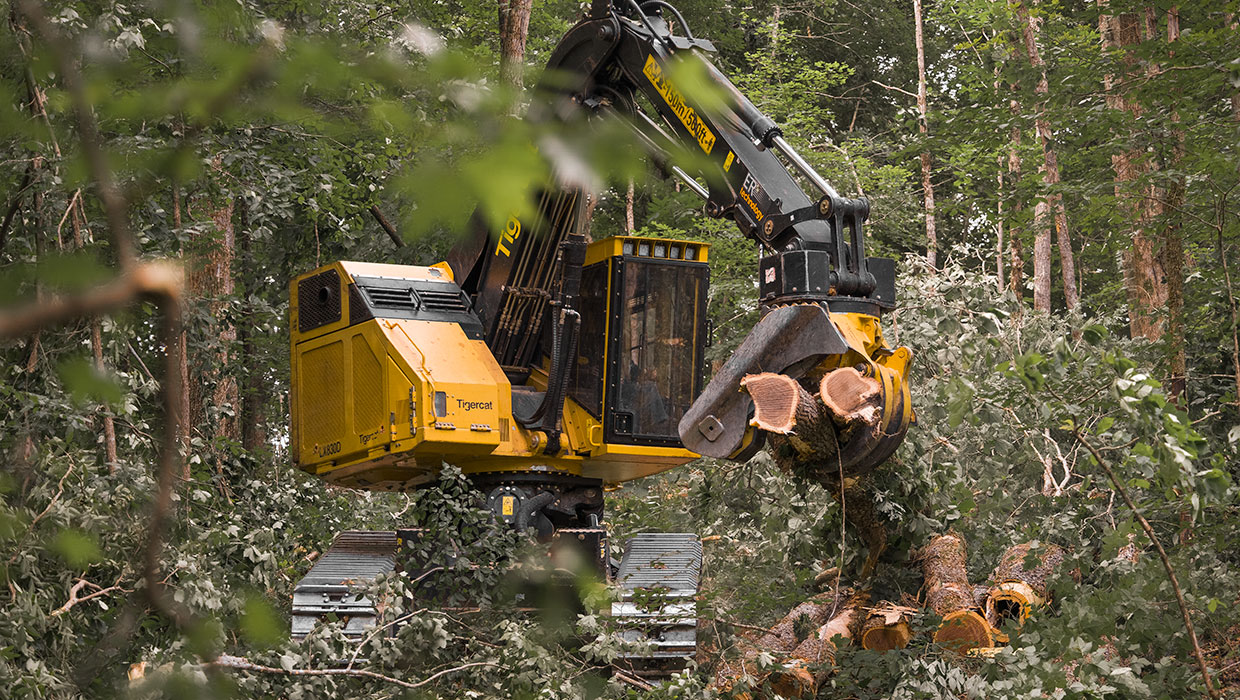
{"points": [[949, 594], [886, 627], [1016, 590], [813, 660]]}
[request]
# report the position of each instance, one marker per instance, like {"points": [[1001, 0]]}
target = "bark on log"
{"points": [[783, 407], [886, 627], [813, 660], [1017, 590], [949, 595], [781, 638]]}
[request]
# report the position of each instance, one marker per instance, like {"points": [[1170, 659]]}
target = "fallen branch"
{"points": [[1162, 554], [242, 664], [60, 491], [74, 599]]}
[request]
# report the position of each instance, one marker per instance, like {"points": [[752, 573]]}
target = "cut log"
{"points": [[783, 407], [1016, 590], [813, 660], [852, 398], [963, 631], [782, 638], [886, 627], [949, 595]]}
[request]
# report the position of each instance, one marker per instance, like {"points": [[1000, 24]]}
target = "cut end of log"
{"points": [[850, 395], [1011, 600], [896, 636], [793, 681], [964, 630], [886, 628], [775, 398]]}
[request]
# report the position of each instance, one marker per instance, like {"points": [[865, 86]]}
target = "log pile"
{"points": [[780, 639]]}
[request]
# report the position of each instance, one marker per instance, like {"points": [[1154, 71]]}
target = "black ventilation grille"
{"points": [[392, 298], [318, 300], [358, 310], [452, 300], [414, 300]]}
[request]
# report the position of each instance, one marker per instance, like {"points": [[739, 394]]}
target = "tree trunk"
{"points": [[1015, 590], [812, 661], [77, 220], [630, 224], [254, 389], [1041, 257], [950, 596], [1173, 246], [1016, 274], [923, 126], [783, 637], [181, 353], [514, 29], [1049, 169], [1144, 280]]}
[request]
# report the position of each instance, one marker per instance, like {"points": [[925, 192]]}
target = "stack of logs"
{"points": [[806, 431], [805, 661], [971, 617]]}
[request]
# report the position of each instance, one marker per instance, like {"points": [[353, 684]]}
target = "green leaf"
{"points": [[86, 383], [77, 548], [260, 625]]}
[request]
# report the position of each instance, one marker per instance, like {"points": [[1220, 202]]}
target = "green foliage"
{"points": [[290, 119]]}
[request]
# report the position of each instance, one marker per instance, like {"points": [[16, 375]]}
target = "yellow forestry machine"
{"points": [[545, 367]]}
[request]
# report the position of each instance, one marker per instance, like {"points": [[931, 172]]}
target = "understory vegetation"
{"points": [[167, 168]]}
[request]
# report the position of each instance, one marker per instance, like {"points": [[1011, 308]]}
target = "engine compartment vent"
{"points": [[450, 300], [392, 297]]}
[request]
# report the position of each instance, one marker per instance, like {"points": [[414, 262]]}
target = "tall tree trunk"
{"points": [[77, 218], [1173, 244], [210, 282], [181, 351], [514, 29], [254, 389], [630, 223], [927, 186], [1016, 275], [1050, 163], [1144, 280]]}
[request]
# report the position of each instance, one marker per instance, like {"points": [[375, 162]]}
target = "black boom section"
{"points": [[624, 59]]}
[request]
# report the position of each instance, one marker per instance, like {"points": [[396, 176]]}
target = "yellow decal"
{"points": [[511, 233], [753, 206], [506, 506], [654, 72], [727, 162]]}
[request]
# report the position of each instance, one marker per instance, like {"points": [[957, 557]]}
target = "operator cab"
{"points": [[640, 360]]}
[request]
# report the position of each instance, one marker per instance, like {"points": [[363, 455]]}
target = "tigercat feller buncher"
{"points": [[545, 367]]}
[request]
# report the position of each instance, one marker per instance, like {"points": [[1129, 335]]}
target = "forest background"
{"points": [[1059, 181]]}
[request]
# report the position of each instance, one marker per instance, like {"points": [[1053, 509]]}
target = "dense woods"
{"points": [[1061, 185]]}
